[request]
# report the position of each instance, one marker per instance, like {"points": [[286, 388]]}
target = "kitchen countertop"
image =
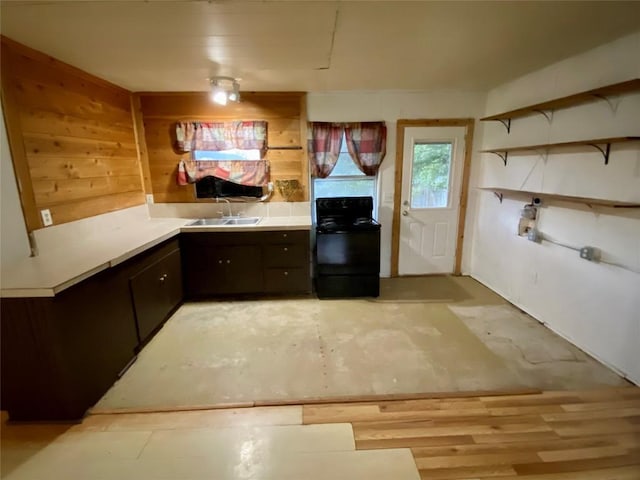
{"points": [[53, 271]]}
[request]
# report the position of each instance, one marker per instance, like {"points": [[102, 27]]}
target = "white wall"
{"points": [[389, 107], [594, 305], [14, 243]]}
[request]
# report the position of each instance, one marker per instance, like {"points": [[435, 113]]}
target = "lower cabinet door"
{"points": [[156, 291], [243, 270], [287, 280], [222, 269]]}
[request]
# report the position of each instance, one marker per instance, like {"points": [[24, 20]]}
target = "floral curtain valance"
{"points": [[216, 136], [366, 144], [253, 173]]}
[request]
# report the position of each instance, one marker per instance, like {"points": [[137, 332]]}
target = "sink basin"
{"points": [[209, 221], [243, 221], [225, 221]]}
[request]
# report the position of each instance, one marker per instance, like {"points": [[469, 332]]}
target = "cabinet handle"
{"points": [[284, 235], [219, 261], [228, 261], [285, 249], [286, 273], [163, 277]]}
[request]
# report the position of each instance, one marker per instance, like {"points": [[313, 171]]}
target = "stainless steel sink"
{"points": [[208, 221], [226, 221], [243, 221]]}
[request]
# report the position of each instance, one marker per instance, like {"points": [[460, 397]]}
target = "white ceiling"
{"points": [[159, 45]]}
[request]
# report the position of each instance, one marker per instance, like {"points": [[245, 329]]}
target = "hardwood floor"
{"points": [[578, 435], [554, 435]]}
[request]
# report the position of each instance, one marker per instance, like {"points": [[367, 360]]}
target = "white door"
{"points": [[433, 160]]}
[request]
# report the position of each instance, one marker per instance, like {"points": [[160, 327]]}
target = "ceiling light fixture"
{"points": [[224, 89]]}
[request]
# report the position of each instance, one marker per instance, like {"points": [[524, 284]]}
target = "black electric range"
{"points": [[347, 252]]}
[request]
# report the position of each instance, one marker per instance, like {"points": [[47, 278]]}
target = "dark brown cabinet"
{"points": [[156, 291], [286, 259], [61, 354], [219, 263], [231, 263]]}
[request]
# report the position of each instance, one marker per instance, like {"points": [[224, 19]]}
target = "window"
{"points": [[227, 181], [346, 180], [233, 154]]}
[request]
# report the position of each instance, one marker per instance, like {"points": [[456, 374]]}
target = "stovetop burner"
{"points": [[345, 214], [346, 224]]}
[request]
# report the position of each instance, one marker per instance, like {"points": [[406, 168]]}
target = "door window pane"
{"points": [[431, 174]]}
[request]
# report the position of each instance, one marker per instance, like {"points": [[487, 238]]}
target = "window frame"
{"points": [[347, 178]]}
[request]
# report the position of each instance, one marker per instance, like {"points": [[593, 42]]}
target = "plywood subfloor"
{"points": [[437, 289], [285, 351], [424, 336]]}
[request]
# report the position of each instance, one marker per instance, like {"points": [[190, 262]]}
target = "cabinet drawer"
{"points": [[287, 280], [287, 236], [286, 255], [156, 291]]}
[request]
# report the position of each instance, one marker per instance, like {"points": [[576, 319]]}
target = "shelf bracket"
{"points": [[604, 151], [612, 100], [500, 196], [503, 156], [548, 114], [506, 122]]}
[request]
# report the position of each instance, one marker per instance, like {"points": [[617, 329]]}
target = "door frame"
{"points": [[401, 125]]}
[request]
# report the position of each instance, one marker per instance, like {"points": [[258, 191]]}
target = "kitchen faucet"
{"points": [[229, 205]]}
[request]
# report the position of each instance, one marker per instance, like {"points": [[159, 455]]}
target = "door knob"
{"points": [[406, 203], [405, 213]]}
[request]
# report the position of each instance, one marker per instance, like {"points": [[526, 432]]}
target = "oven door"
{"points": [[348, 253]]}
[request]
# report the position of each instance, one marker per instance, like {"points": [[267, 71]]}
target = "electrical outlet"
{"points": [[46, 217], [149, 197], [590, 253]]}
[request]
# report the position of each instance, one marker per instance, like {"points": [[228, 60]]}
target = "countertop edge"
{"points": [[28, 293], [146, 246]]}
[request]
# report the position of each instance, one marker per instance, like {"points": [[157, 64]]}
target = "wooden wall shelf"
{"points": [[603, 145], [595, 202], [565, 102]]}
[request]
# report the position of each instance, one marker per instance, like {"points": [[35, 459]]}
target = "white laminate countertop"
{"points": [[53, 271]]}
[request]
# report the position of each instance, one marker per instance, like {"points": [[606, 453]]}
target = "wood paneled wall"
{"points": [[284, 112], [71, 137]]}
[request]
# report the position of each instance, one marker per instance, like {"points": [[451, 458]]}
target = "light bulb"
{"points": [[219, 96]]}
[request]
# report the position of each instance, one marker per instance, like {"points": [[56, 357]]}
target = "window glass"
{"points": [[431, 175], [233, 154]]}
